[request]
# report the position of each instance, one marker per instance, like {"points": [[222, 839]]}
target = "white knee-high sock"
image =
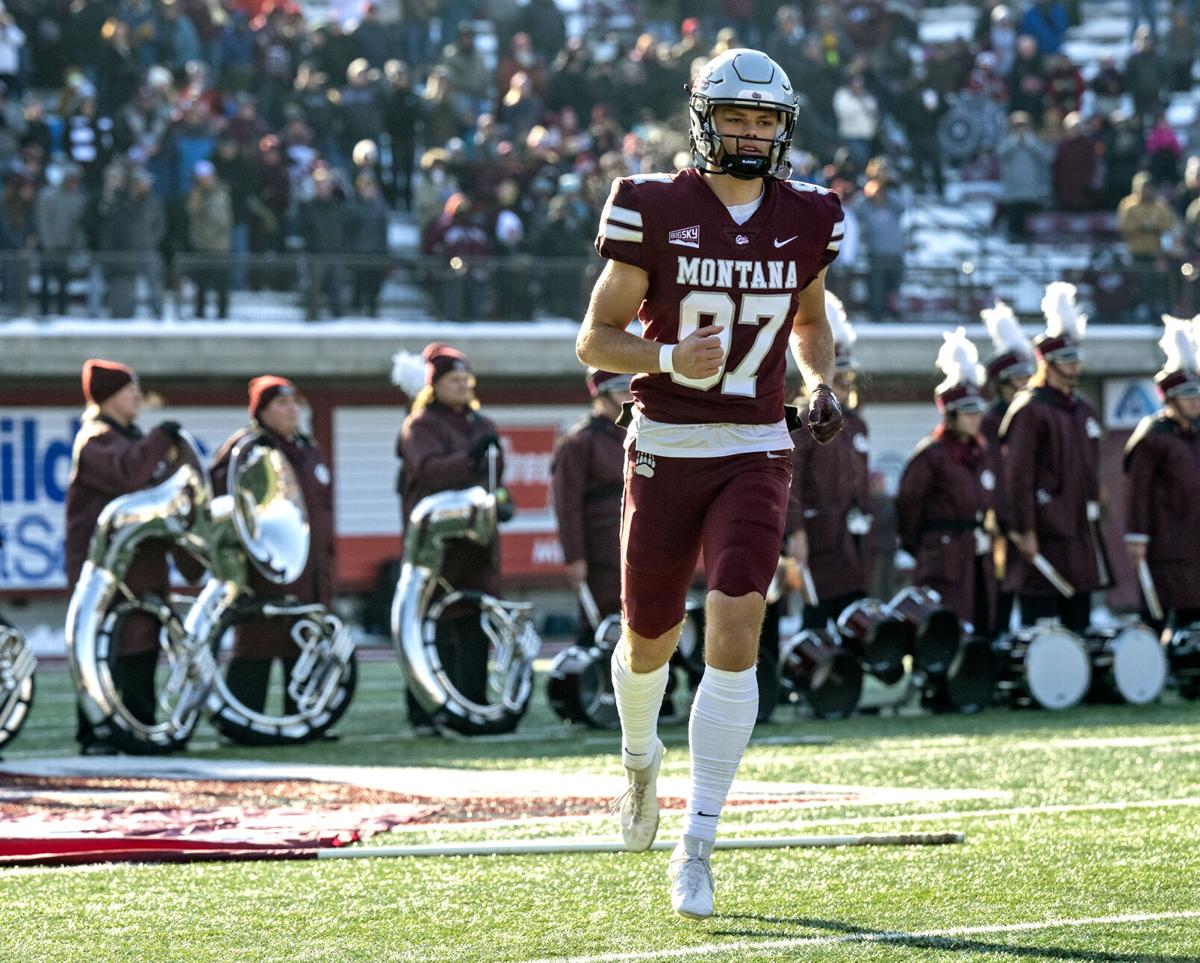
{"points": [[639, 696], [723, 716]]}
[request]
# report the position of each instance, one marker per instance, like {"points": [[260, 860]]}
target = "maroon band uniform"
{"points": [[1051, 458], [946, 490], [587, 476], [1162, 503], [828, 482], [724, 471]]}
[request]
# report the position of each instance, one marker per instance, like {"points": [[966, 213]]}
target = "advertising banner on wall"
{"points": [[35, 465]]}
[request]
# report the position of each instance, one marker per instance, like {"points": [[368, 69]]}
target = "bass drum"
{"points": [[1183, 654], [16, 681], [824, 674], [579, 687], [1043, 665], [969, 684], [1128, 665], [312, 699]]}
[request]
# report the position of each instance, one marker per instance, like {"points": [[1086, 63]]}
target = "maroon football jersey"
{"points": [[706, 269]]}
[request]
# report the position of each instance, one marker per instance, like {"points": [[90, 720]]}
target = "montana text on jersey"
{"points": [[706, 269]]}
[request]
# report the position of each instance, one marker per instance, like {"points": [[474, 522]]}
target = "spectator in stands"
{"points": [[323, 228], [456, 245], [1075, 170], [87, 136], [1191, 229], [1024, 174], [59, 222], [544, 23], [566, 232], [520, 58], [1148, 225], [267, 209], [841, 274], [920, 108], [435, 185], [1000, 35], [178, 43], [441, 117], [210, 237], [12, 128], [359, 108], [1124, 151], [133, 228], [858, 116], [786, 44], [1163, 152], [402, 112], [1143, 15], [468, 82], [1179, 47], [1189, 190], [367, 242], [372, 37], [1027, 81], [1107, 85], [1064, 84], [880, 216], [1146, 75], [12, 45], [1046, 21]]}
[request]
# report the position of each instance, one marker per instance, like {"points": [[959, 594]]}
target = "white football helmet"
{"points": [[748, 78]]}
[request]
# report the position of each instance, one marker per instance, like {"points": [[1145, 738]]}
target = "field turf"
{"points": [[1081, 844]]}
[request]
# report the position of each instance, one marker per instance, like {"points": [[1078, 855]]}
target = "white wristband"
{"points": [[664, 359]]}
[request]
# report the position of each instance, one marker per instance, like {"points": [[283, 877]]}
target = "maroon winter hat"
{"points": [[604, 382], [441, 359], [266, 388], [103, 379]]}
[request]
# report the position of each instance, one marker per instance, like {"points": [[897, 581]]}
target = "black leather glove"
{"points": [[824, 414], [479, 448], [505, 509], [170, 429]]}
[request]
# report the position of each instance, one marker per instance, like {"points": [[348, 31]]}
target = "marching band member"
{"points": [[444, 445], [587, 476], [828, 522], [1162, 491], [112, 457], [1050, 441], [947, 490], [274, 407], [1008, 371]]}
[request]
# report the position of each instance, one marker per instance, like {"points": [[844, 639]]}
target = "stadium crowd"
{"points": [[149, 142]]}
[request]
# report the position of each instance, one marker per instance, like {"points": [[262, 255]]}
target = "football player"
{"points": [[724, 265]]}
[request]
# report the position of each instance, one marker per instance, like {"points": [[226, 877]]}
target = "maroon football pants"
{"points": [[732, 508]]}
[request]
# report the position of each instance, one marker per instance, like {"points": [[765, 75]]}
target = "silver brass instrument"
{"points": [[262, 521], [471, 514], [16, 681], [174, 510]]}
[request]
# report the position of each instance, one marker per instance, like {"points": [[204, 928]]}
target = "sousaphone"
{"points": [[16, 681]]}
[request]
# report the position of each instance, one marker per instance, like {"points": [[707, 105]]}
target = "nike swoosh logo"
{"points": [[779, 243]]}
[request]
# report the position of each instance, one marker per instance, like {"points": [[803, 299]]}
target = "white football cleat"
{"points": [[691, 876], [639, 804]]}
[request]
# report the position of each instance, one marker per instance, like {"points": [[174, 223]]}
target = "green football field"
{"points": [[1081, 844]]}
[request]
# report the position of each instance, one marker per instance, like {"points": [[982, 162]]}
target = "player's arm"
{"points": [[812, 338], [605, 343], [812, 347]]}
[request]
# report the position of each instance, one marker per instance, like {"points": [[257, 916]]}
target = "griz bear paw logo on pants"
{"points": [[644, 465]]}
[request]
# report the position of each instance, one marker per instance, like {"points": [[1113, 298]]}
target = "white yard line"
{"points": [[881, 936]]}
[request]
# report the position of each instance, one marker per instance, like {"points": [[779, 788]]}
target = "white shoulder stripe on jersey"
{"points": [[833, 245], [838, 229], [623, 215], [614, 232]]}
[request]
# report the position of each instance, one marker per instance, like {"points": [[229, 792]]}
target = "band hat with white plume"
{"points": [[844, 335], [1065, 324], [1178, 378], [958, 360], [408, 372], [1013, 352]]}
